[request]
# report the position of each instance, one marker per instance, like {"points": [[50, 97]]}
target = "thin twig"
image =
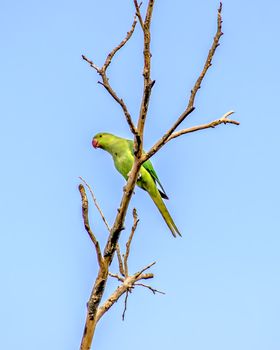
{"points": [[138, 13], [91, 63], [96, 203], [139, 273], [115, 275], [120, 261], [128, 243], [209, 58], [149, 287], [161, 142], [121, 268], [223, 120], [125, 305], [105, 81], [121, 44], [87, 226], [127, 285]]}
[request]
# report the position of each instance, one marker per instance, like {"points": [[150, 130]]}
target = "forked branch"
{"points": [[190, 107], [223, 120], [105, 81]]}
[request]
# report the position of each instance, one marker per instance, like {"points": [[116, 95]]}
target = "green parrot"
{"points": [[122, 152]]}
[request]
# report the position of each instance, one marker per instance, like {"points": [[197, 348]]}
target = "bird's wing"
{"points": [[150, 169]]}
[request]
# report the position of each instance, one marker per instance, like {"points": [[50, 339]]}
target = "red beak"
{"points": [[95, 143]]}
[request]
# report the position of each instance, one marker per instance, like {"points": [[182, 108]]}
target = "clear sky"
{"points": [[221, 278]]}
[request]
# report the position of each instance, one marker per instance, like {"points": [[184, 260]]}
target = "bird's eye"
{"points": [[100, 136]]}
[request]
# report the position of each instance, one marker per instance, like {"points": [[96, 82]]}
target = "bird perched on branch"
{"points": [[122, 152]]}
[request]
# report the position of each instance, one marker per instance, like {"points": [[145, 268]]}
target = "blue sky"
{"points": [[222, 278]]}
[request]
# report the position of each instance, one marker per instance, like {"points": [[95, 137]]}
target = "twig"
{"points": [[127, 284], [119, 256], [128, 243], [105, 81], [209, 58], [91, 63], [115, 275], [138, 13], [121, 268], [150, 288], [87, 226], [121, 44], [137, 274], [190, 107], [148, 83], [96, 203], [125, 305], [223, 120]]}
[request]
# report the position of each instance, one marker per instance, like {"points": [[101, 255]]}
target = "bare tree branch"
{"points": [[148, 83], [96, 203], [209, 58], [149, 287], [139, 273], [121, 268], [125, 304], [87, 226], [138, 13], [128, 244], [120, 261], [190, 107], [105, 81], [223, 120], [121, 44], [115, 275], [127, 284]]}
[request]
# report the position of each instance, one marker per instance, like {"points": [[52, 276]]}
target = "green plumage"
{"points": [[122, 152]]}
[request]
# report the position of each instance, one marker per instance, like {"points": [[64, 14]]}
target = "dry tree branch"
{"points": [[128, 243], [148, 83], [87, 226], [105, 81], [127, 284], [125, 304], [96, 203], [209, 58], [138, 13], [223, 120], [120, 261], [149, 287], [121, 44], [115, 275], [121, 268], [190, 107]]}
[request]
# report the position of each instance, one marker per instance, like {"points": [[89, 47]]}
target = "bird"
{"points": [[121, 150]]}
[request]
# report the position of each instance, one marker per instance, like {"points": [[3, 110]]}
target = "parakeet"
{"points": [[122, 152]]}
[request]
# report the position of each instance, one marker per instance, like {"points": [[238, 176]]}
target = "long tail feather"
{"points": [[165, 214]]}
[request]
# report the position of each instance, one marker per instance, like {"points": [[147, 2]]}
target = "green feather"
{"points": [[149, 167]]}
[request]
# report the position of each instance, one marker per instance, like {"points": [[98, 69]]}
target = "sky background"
{"points": [[221, 278]]}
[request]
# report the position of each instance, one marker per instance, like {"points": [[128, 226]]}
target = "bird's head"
{"points": [[102, 140]]}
